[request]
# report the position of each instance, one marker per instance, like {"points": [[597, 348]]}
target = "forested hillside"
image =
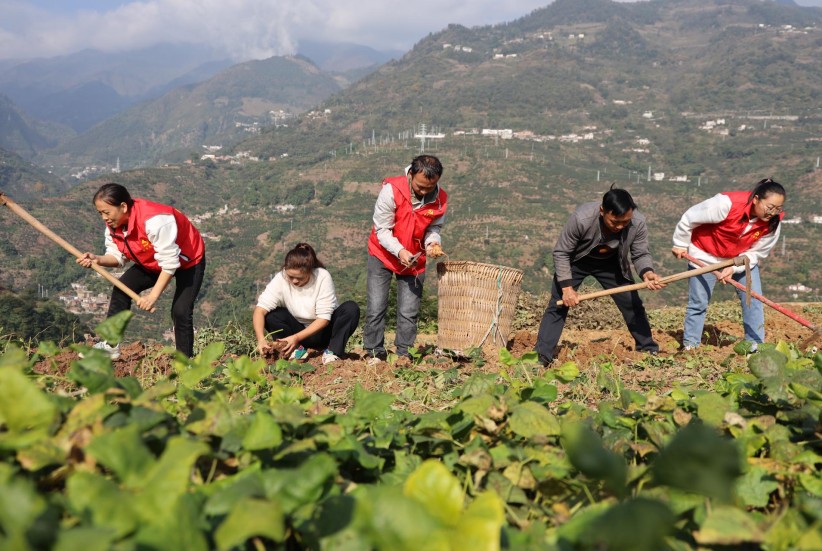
{"points": [[674, 100]]}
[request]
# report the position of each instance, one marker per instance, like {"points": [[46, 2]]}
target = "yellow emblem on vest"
{"points": [[430, 212], [146, 244], [756, 235]]}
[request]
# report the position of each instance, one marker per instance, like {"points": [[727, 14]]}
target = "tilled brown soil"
{"points": [[426, 383]]}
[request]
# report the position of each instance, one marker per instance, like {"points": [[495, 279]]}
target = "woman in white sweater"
{"points": [[299, 309]]}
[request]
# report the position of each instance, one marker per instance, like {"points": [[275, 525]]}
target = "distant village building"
{"points": [[648, 115], [794, 220], [505, 133], [799, 288]]}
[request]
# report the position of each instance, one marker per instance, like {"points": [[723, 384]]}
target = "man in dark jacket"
{"points": [[601, 240]]}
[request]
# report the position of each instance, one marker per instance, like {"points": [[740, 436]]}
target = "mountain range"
{"points": [[673, 99], [120, 105]]}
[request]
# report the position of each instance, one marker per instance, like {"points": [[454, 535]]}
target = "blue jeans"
{"points": [[700, 289], [409, 295]]}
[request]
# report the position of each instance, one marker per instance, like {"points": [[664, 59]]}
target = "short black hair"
{"points": [[617, 201], [429, 165]]}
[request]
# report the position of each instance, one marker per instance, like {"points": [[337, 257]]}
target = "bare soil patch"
{"points": [[426, 383]]}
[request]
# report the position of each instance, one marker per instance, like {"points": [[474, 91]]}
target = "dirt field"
{"points": [[595, 339]]}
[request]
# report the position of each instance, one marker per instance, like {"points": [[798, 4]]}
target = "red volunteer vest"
{"points": [[409, 226], [726, 239], [136, 246]]}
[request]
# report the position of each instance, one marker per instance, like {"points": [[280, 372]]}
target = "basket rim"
{"points": [[446, 263]]}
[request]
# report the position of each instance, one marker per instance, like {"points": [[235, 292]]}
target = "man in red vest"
{"points": [[408, 216]]}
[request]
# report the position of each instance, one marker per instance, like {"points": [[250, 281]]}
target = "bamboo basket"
{"points": [[476, 304]]}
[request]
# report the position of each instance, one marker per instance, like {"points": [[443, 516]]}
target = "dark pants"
{"points": [[333, 337], [187, 288], [608, 274]]}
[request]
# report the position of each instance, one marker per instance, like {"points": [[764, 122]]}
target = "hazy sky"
{"points": [[244, 29]]}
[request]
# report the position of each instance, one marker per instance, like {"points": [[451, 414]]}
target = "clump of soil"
{"points": [[274, 352]]}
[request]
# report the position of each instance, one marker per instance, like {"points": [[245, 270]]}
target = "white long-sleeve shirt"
{"points": [[385, 217], [162, 233], [713, 211], [316, 299]]}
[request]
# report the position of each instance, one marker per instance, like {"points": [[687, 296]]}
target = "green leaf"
{"points": [[586, 453], [476, 385], [699, 460], [94, 372], [293, 488], [567, 372], [14, 358], [530, 419], [168, 478], [743, 347], [394, 521], [112, 329], [727, 525], [812, 483], [85, 538], [543, 392], [506, 358], [435, 487], [477, 405], [177, 525], [754, 488], [123, 451], [767, 363], [251, 517], [263, 433], [20, 505], [784, 348], [371, 405], [102, 502], [711, 408], [194, 375], [244, 369], [479, 527], [639, 524], [23, 406]]}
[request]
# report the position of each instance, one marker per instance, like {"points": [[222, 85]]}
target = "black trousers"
{"points": [[334, 336], [187, 287], [608, 274]]}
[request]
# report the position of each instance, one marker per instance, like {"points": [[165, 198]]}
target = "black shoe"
{"points": [[544, 361]]}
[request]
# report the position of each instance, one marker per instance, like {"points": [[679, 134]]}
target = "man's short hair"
{"points": [[617, 201], [430, 166]]}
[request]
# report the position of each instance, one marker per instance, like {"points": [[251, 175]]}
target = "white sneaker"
{"points": [[112, 351], [329, 357]]}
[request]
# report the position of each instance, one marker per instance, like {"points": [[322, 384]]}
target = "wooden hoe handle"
{"points": [[21, 212], [667, 279]]}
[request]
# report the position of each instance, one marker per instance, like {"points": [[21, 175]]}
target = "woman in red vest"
{"points": [[408, 216], [722, 227], [163, 244]]}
